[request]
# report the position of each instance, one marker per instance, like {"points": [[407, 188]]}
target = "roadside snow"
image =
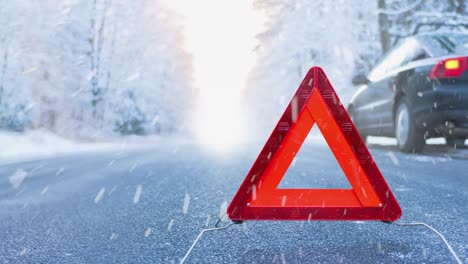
{"points": [[386, 141], [42, 144], [39, 144]]}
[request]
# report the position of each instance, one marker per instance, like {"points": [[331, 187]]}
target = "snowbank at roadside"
{"points": [[39, 144], [43, 144]]}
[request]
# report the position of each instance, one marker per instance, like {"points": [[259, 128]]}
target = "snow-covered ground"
{"points": [[40, 144], [384, 141], [43, 144]]}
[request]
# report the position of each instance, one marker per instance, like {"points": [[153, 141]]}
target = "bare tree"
{"points": [[458, 6], [96, 40], [383, 27], [4, 68], [4, 35]]}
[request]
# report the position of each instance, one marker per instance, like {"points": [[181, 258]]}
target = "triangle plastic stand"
{"points": [[315, 102]]}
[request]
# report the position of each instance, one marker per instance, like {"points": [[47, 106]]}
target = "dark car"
{"points": [[419, 90]]}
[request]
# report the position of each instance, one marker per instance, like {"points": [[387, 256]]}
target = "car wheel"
{"points": [[455, 142], [408, 138], [352, 117]]}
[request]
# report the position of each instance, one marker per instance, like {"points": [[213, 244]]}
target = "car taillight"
{"points": [[449, 68]]}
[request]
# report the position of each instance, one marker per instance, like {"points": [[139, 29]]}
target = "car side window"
{"points": [[422, 55], [406, 51]]}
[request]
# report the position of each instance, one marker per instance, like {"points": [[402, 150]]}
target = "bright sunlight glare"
{"points": [[220, 36]]}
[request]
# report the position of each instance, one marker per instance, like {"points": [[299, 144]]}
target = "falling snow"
{"points": [[283, 200], [99, 195], [283, 258], [208, 219], [23, 252], [136, 197], [222, 209], [112, 190], [59, 171], [169, 226], [148, 232], [132, 77], [44, 191], [185, 206], [134, 166], [393, 158], [17, 178]]}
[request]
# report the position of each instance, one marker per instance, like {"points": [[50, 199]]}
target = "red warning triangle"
{"points": [[315, 102]]}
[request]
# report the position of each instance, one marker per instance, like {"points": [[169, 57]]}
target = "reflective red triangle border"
{"points": [[315, 102]]}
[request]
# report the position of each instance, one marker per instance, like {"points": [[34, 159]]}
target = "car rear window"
{"points": [[408, 50]]}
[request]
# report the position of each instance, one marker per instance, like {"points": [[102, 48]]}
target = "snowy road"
{"points": [[147, 206]]}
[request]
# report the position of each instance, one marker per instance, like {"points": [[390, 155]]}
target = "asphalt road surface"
{"points": [[148, 205]]}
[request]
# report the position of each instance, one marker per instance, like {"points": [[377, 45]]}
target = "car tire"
{"points": [[408, 138], [352, 117], [455, 142]]}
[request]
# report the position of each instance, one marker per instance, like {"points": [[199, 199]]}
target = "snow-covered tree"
{"points": [[401, 18], [336, 35], [81, 67], [342, 36]]}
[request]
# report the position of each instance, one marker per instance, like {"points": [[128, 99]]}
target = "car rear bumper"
{"points": [[445, 123], [444, 111], [452, 132]]}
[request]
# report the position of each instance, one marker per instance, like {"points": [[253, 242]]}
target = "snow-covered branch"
{"points": [[403, 10]]}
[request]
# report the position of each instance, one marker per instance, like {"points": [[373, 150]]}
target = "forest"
{"points": [[114, 67]]}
